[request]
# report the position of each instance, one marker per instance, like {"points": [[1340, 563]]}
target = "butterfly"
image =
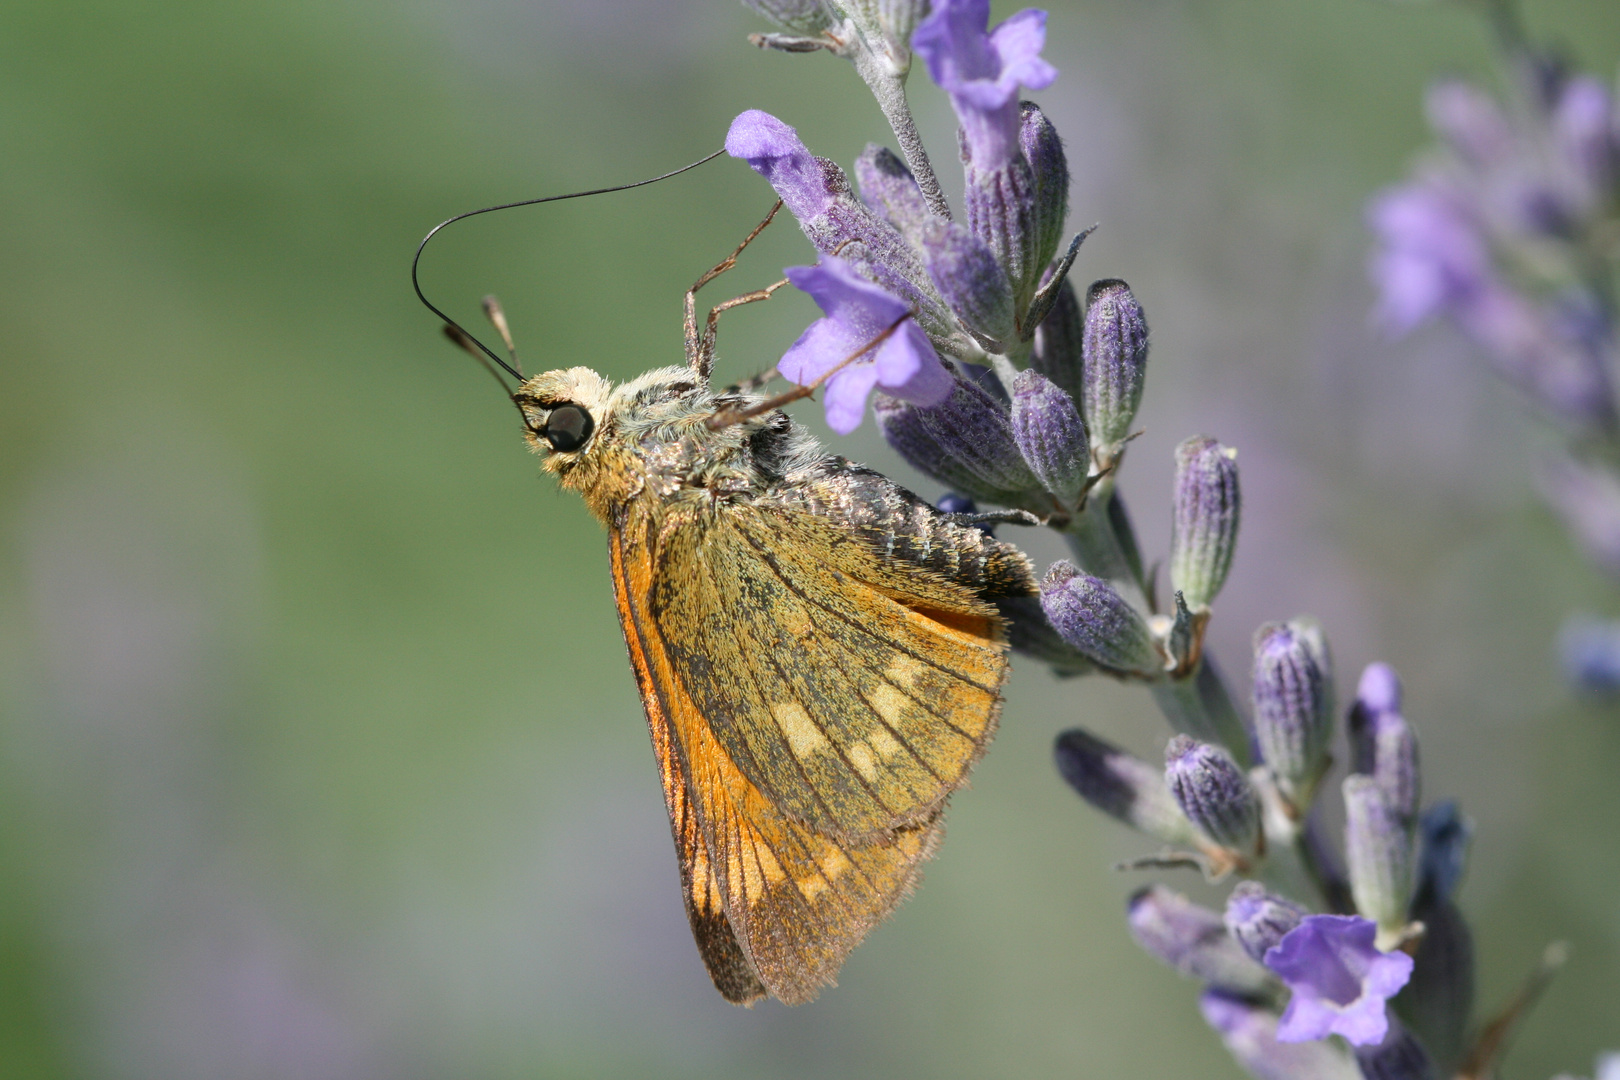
{"points": [[819, 653]]}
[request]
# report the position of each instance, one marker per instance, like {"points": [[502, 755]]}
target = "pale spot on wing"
{"points": [[803, 736], [885, 744], [834, 863], [889, 703], [903, 671], [811, 887], [860, 756]]}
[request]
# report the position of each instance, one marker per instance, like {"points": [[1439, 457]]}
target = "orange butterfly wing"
{"points": [[796, 901]]}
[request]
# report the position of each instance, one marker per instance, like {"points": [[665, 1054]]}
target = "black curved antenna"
{"points": [[417, 285]]}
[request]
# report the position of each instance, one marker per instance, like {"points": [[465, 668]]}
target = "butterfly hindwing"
{"points": [[822, 703]]}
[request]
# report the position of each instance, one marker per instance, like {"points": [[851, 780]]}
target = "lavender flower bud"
{"points": [[1095, 619], [1213, 792], [1378, 853], [1122, 786], [1114, 354], [1293, 704], [1057, 348], [1051, 436], [1382, 744], [1204, 528], [973, 428], [1030, 634], [804, 16], [903, 428], [1249, 1032], [1000, 204], [973, 284], [1043, 149], [1258, 919], [889, 190], [1192, 939], [1398, 1057]]}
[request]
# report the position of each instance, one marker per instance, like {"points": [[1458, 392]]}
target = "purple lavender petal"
{"points": [[858, 313], [1340, 981], [845, 399], [773, 150], [982, 71]]}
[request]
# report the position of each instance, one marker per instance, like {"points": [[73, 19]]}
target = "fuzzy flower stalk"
{"points": [[993, 375]]}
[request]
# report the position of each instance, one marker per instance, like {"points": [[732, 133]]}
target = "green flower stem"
{"points": [[1199, 705], [890, 91], [1096, 551]]}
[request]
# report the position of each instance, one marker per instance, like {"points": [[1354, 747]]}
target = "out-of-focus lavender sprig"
{"points": [[1509, 229], [1002, 381]]}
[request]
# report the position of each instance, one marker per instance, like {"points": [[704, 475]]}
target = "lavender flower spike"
{"points": [[1095, 619], [858, 313], [982, 71], [1213, 792], [1340, 980], [1250, 1034]]}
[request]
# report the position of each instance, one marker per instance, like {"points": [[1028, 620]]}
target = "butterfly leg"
{"points": [[754, 382], [700, 347]]}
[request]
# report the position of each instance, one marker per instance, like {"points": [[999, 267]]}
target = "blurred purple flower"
{"points": [[1251, 1035], [1495, 232], [857, 313], [1340, 981], [1431, 258], [983, 69]]}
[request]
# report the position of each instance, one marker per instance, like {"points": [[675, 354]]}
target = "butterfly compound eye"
{"points": [[568, 427]]}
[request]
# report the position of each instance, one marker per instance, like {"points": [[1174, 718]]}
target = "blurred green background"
{"points": [[319, 754]]}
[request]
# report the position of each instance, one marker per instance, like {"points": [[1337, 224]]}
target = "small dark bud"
{"points": [[1398, 1057], [1057, 349], [889, 190]]}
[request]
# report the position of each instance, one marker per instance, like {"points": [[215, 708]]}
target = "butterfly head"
{"points": [[563, 411]]}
